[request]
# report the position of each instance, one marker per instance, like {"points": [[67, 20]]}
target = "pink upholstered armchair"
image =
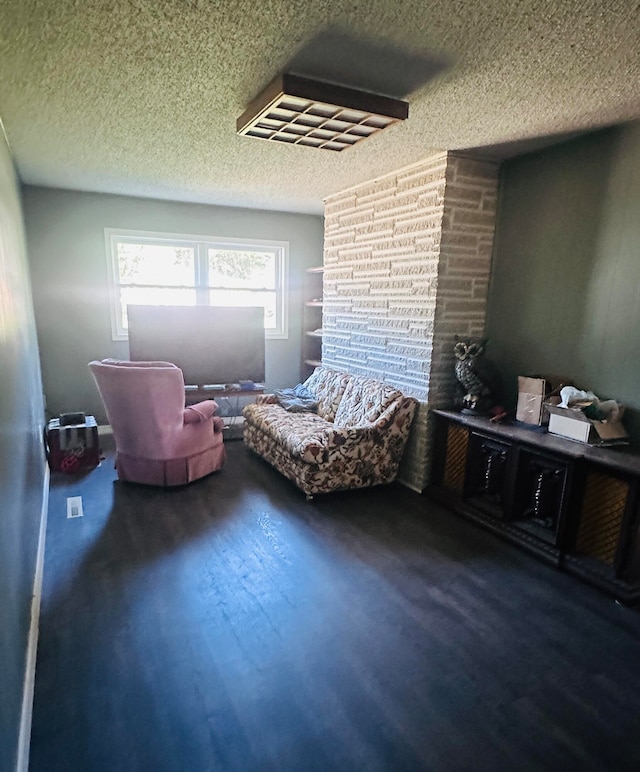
{"points": [[158, 441]]}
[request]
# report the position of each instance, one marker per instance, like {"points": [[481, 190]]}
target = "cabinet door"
{"points": [[453, 447], [488, 475], [606, 536], [541, 495]]}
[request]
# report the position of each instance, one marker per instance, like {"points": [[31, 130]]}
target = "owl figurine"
{"points": [[477, 377]]}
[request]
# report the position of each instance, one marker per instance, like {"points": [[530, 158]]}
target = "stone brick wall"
{"points": [[464, 267], [407, 260]]}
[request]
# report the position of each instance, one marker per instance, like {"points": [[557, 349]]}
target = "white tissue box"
{"points": [[574, 425]]}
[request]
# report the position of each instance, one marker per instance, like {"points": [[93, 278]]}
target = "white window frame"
{"points": [[200, 245]]}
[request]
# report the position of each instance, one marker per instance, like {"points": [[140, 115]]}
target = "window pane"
{"points": [[170, 269], [146, 296], [163, 264], [246, 298], [241, 269]]}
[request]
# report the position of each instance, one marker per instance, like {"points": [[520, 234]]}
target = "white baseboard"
{"points": [[24, 738]]}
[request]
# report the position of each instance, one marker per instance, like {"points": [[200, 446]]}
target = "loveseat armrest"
{"points": [[266, 399]]}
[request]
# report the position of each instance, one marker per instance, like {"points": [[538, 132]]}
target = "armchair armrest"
{"points": [[201, 411]]}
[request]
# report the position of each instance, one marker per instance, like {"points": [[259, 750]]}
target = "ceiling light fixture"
{"points": [[300, 111]]}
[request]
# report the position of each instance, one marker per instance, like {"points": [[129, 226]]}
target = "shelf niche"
{"points": [[312, 321]]}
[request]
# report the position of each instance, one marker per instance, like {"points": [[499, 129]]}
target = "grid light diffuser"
{"points": [[300, 111]]}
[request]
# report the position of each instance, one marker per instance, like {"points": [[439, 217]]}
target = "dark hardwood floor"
{"points": [[232, 625]]}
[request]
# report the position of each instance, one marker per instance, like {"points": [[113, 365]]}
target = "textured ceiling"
{"points": [[141, 97]]}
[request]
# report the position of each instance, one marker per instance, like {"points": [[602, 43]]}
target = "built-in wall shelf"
{"points": [[312, 321]]}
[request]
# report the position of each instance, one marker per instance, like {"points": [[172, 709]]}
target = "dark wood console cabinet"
{"points": [[573, 505]]}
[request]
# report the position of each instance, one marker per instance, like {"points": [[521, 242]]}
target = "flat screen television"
{"points": [[210, 344]]}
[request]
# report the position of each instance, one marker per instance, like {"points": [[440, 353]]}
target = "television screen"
{"points": [[210, 344]]}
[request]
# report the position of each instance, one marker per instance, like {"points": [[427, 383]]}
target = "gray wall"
{"points": [[65, 236], [565, 287], [22, 467]]}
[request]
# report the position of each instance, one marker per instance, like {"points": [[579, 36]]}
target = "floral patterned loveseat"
{"points": [[356, 438]]}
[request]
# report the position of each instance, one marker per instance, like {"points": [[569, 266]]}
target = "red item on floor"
{"points": [[72, 448]]}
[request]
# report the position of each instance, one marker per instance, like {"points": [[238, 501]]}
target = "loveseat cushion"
{"points": [[305, 436], [328, 387], [364, 401], [287, 428]]}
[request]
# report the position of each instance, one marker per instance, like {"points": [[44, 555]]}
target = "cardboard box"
{"points": [[573, 424], [532, 398]]}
